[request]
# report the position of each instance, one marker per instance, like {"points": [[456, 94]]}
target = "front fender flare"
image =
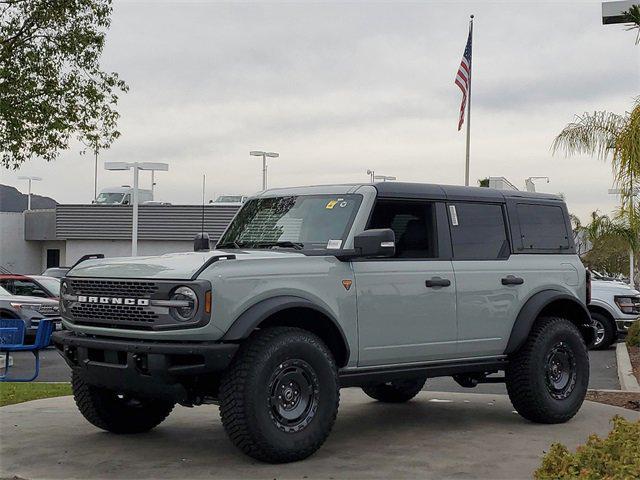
{"points": [[252, 317], [532, 309]]}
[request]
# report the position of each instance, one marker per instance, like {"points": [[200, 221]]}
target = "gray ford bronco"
{"points": [[313, 289]]}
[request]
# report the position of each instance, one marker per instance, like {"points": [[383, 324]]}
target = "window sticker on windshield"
{"points": [[334, 244], [331, 204], [454, 215]]}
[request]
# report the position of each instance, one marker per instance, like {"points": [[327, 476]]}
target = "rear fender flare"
{"points": [[553, 301]]}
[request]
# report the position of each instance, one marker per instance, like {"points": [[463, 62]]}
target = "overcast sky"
{"points": [[338, 88]]}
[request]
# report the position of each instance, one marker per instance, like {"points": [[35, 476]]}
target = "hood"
{"points": [[172, 266], [27, 299], [613, 287]]}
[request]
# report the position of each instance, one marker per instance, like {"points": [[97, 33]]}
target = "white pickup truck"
{"points": [[614, 307]]}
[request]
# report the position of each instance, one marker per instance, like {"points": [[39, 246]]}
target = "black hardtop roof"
{"points": [[455, 192]]}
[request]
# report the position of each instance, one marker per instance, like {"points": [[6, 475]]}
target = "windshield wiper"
{"points": [[282, 244]]}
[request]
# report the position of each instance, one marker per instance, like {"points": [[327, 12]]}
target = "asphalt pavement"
{"points": [[435, 436], [604, 374]]}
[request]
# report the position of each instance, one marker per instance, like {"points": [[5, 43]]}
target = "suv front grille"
{"points": [[126, 303], [113, 313], [49, 310], [114, 288]]}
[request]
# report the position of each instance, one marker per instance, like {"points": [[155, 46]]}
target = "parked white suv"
{"points": [[614, 307]]}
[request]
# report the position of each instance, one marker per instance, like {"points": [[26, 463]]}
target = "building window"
{"points": [[53, 257]]}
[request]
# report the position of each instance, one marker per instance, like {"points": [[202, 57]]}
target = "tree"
{"points": [[633, 17], [51, 85], [483, 182], [609, 135]]}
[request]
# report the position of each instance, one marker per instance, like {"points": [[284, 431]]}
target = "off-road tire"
{"points": [[609, 331], [529, 376], [118, 413], [250, 412], [397, 391]]}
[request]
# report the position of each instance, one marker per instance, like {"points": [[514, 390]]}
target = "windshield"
{"points": [[305, 221], [110, 198], [4, 293], [229, 199], [51, 284]]}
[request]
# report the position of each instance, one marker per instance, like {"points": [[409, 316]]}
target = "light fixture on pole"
{"points": [[530, 185], [372, 175], [384, 178], [137, 166], [264, 155], [30, 179]]}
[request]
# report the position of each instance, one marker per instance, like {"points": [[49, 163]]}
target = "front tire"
{"points": [[397, 391], [118, 413], [547, 378], [279, 398], [605, 331]]}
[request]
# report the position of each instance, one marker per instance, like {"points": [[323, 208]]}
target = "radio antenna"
{"points": [[204, 181]]}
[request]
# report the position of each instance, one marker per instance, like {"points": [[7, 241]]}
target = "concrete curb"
{"points": [[628, 381]]}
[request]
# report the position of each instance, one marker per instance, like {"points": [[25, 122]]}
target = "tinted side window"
{"points": [[414, 225], [478, 231], [542, 227]]}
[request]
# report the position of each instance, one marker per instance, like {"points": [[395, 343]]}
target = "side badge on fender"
{"points": [[347, 284]]}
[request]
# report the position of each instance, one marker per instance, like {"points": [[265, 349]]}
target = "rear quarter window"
{"points": [[542, 227]]}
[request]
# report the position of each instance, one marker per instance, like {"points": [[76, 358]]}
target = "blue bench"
{"points": [[12, 340]]}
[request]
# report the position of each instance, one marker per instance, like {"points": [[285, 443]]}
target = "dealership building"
{"points": [[34, 240]]}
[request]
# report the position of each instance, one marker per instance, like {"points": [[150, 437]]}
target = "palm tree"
{"points": [[633, 16], [608, 135]]}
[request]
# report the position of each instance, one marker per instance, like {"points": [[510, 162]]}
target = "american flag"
{"points": [[463, 78]]}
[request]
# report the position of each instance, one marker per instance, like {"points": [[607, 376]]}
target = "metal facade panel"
{"points": [[156, 222]]}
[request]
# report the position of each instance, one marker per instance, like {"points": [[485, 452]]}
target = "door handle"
{"points": [[511, 280], [437, 282]]}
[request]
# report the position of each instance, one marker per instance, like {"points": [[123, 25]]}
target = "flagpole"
{"points": [[466, 170]]}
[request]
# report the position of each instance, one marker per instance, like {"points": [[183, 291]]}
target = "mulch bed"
{"points": [[629, 400], [634, 355]]}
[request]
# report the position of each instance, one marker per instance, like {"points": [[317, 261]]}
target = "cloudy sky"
{"points": [[338, 88]]}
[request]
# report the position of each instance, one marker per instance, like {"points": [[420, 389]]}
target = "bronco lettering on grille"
{"points": [[142, 302]]}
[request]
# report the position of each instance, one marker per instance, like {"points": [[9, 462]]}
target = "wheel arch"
{"points": [[292, 311], [545, 303]]}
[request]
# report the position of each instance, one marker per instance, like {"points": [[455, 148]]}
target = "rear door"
{"points": [[489, 283], [406, 304]]}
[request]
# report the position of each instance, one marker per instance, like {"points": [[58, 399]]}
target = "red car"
{"points": [[31, 285]]}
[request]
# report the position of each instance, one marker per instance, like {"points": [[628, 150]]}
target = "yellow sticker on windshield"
{"points": [[331, 204]]}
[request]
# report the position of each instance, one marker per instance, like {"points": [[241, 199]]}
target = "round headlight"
{"points": [[190, 300]]}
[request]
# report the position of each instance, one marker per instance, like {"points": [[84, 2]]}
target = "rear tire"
{"points": [[118, 413], [279, 398], [547, 378], [605, 331], [397, 391]]}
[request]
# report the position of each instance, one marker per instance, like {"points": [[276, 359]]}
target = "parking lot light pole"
{"points": [[30, 179], [264, 155], [137, 166]]}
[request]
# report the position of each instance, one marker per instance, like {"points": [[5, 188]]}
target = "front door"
{"points": [[407, 304]]}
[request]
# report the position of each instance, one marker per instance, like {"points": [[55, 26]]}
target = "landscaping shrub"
{"points": [[616, 457], [633, 335]]}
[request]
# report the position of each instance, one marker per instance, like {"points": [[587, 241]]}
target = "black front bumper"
{"points": [[155, 369]]}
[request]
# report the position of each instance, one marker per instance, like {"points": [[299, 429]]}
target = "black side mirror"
{"points": [[201, 243], [380, 242]]}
